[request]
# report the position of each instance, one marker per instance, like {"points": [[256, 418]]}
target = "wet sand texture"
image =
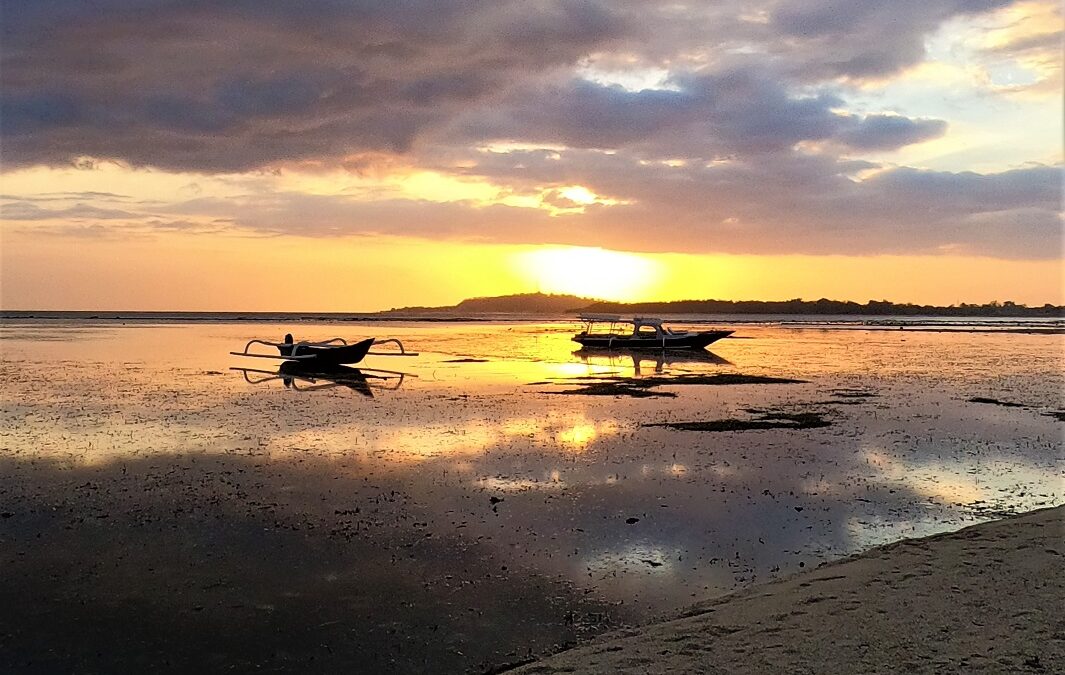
{"points": [[987, 598]]}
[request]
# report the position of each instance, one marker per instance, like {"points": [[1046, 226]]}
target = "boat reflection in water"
{"points": [[308, 377], [660, 358]]}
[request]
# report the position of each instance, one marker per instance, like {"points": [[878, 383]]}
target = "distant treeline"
{"points": [[825, 306], [541, 303]]}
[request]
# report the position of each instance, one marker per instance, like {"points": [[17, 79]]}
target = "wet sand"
{"points": [[987, 598], [159, 511]]}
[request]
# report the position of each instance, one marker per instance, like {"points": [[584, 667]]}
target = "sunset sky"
{"points": [[348, 155]]}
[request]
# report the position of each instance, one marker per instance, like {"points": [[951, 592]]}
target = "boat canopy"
{"points": [[614, 318]]}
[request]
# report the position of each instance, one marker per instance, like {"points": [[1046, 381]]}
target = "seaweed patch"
{"points": [[995, 401], [764, 420], [853, 393]]}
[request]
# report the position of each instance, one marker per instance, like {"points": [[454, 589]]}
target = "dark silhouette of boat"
{"points": [[646, 333], [332, 352], [325, 354]]}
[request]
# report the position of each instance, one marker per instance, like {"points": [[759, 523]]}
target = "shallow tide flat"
{"points": [[152, 499]]}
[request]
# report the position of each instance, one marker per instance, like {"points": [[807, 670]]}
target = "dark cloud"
{"points": [[1036, 186], [864, 38], [705, 115], [212, 87], [887, 132], [233, 86]]}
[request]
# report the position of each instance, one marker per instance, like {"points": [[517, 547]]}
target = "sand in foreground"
{"points": [[987, 598]]}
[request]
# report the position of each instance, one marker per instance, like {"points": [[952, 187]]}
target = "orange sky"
{"points": [[190, 272]]}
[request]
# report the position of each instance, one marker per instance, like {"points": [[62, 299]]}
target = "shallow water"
{"points": [[470, 513]]}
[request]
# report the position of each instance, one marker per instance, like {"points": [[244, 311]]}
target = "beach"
{"points": [[987, 598], [168, 506]]}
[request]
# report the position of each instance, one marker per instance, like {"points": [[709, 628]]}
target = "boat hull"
{"points": [[691, 341], [323, 356], [662, 356]]}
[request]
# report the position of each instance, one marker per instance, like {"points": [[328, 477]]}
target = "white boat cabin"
{"points": [[643, 327]]}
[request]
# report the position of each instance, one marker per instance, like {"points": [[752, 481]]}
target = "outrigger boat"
{"points": [[324, 364], [334, 352], [647, 333]]}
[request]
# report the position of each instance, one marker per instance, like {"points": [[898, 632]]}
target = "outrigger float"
{"points": [[647, 333]]}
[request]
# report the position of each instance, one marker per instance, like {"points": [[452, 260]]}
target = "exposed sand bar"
{"points": [[988, 598]]}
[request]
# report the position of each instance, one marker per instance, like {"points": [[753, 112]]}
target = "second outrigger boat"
{"points": [[646, 333]]}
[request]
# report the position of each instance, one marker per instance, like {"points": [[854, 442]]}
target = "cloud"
{"points": [[228, 87], [209, 87], [741, 110], [889, 132], [27, 210], [864, 38]]}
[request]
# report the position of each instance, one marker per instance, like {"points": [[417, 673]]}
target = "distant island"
{"points": [[522, 303], [544, 304]]}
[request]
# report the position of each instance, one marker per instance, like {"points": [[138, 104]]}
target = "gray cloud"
{"points": [[209, 86], [887, 132], [228, 87], [864, 38], [740, 110]]}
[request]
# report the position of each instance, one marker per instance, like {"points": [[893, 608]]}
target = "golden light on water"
{"points": [[589, 272]]}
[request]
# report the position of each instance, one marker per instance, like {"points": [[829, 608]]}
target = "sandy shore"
{"points": [[987, 598]]}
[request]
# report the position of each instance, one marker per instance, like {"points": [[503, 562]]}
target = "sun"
{"points": [[589, 272]]}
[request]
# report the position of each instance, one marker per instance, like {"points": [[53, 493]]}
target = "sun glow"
{"points": [[578, 194], [590, 272]]}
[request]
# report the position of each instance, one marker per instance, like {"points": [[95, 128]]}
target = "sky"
{"points": [[350, 155]]}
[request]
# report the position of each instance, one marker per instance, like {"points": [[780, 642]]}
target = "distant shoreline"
{"points": [[540, 303], [544, 307], [925, 323]]}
